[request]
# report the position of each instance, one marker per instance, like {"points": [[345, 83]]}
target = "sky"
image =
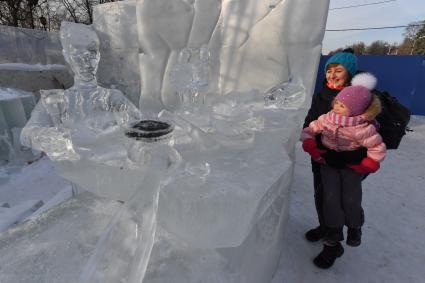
{"points": [[394, 13]]}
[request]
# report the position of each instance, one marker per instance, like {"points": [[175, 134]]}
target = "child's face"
{"points": [[337, 75], [340, 108]]}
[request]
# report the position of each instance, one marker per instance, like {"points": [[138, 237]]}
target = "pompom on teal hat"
{"points": [[346, 59]]}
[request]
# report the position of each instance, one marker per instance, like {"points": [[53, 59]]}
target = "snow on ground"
{"points": [[393, 243], [393, 247], [37, 181]]}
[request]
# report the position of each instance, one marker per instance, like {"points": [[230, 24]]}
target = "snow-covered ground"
{"points": [[393, 243], [392, 250]]}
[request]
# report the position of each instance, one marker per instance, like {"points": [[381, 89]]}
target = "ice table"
{"points": [[227, 224]]}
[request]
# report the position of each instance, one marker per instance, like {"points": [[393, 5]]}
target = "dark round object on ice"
{"points": [[150, 130]]}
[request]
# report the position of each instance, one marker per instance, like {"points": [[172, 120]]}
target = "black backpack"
{"points": [[393, 120]]}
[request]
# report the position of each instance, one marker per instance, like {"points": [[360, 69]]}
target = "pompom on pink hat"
{"points": [[358, 97]]}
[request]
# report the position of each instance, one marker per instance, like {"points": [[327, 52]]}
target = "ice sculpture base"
{"points": [[229, 225]]}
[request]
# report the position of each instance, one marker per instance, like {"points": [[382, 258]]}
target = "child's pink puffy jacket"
{"points": [[347, 135]]}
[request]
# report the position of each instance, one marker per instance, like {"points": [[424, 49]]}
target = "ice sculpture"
{"points": [[208, 203], [82, 113], [253, 44], [95, 140], [116, 27], [287, 95], [169, 32], [190, 75]]}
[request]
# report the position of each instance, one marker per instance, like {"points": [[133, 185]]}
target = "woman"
{"points": [[348, 127], [339, 69]]}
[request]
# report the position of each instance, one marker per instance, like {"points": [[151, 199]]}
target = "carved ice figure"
{"points": [[86, 106], [122, 254], [190, 75], [87, 131], [123, 251], [253, 44], [287, 95], [222, 215], [167, 29]]}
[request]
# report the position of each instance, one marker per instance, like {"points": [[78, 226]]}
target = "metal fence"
{"points": [[401, 76]]}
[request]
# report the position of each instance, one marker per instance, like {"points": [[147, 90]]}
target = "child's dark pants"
{"points": [[342, 199]]}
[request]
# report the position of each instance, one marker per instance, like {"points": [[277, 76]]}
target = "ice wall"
{"points": [[33, 77], [220, 214], [254, 44], [15, 110], [119, 63], [226, 227], [29, 46], [263, 42], [31, 60]]}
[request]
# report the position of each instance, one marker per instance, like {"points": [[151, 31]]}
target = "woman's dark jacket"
{"points": [[322, 103]]}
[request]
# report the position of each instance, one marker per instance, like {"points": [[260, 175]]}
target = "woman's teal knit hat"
{"points": [[348, 60]]}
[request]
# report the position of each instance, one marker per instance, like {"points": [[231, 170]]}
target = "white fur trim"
{"points": [[366, 80]]}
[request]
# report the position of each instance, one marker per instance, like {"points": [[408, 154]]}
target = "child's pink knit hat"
{"points": [[358, 97]]}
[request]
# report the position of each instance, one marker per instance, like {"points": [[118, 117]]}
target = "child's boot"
{"points": [[354, 237], [327, 257]]}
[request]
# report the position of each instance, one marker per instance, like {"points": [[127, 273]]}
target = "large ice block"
{"points": [[119, 63], [83, 114], [15, 109], [29, 46], [253, 44], [216, 207]]}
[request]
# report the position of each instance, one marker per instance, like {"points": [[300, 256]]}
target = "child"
{"points": [[350, 125]]}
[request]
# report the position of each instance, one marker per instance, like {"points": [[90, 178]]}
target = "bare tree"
{"points": [[47, 14], [11, 12], [81, 11], [378, 47], [414, 40], [359, 48], [22, 13], [418, 46], [335, 51]]}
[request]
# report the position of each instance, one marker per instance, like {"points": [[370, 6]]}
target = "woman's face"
{"points": [[337, 75]]}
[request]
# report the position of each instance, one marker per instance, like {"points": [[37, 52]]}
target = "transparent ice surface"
{"points": [[83, 130], [287, 95], [221, 211], [122, 253], [66, 119], [190, 132], [55, 246], [190, 75], [15, 109]]}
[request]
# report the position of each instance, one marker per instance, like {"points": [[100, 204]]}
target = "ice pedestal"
{"points": [[140, 161], [123, 251], [228, 226], [217, 217]]}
